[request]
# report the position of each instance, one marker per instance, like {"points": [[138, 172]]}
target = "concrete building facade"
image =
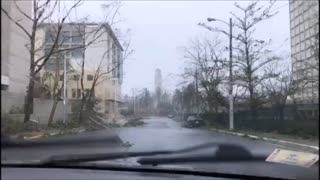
{"points": [[304, 25], [15, 58], [105, 52]]}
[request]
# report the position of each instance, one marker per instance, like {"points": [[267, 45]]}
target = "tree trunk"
{"points": [[83, 97], [252, 105], [28, 103], [53, 109], [281, 108], [81, 109]]}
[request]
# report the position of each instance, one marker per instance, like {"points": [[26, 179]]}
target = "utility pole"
{"points": [[197, 101], [230, 79], [231, 125], [133, 96], [64, 82], [115, 96]]}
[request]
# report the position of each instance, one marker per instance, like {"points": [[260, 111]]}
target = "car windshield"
{"points": [[159, 76]]}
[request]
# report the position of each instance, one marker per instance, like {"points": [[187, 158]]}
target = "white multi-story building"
{"points": [[104, 51], [304, 25], [15, 58]]}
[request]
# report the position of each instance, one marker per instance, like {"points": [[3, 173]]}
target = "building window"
{"points": [[89, 77], [307, 33], [301, 36], [50, 37], [311, 31], [298, 47], [4, 87], [76, 77], [303, 55], [308, 23], [294, 49], [295, 22], [303, 45], [292, 23], [308, 52], [78, 93], [73, 93], [64, 36], [301, 28], [293, 33], [308, 43], [77, 53], [60, 95], [76, 37], [87, 91]]}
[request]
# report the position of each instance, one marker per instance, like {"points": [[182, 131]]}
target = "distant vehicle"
{"points": [[193, 121], [170, 116]]}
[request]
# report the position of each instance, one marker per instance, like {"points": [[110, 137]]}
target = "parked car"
{"points": [[170, 116], [193, 121]]}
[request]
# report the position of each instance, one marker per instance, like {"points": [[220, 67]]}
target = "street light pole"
{"points": [[65, 90], [115, 96], [231, 79], [197, 101], [134, 107], [64, 83], [231, 125]]}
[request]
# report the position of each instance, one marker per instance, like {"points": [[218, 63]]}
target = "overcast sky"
{"points": [[159, 28]]}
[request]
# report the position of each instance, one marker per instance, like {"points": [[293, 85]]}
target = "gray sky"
{"points": [[159, 28]]}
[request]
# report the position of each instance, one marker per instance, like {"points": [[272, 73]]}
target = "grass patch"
{"points": [[64, 126]]}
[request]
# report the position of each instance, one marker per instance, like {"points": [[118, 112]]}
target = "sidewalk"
{"points": [[311, 144]]}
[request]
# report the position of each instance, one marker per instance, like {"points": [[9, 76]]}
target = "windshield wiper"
{"points": [[225, 153]]}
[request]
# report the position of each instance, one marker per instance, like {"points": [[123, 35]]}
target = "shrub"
{"points": [[62, 126], [10, 126], [16, 110], [137, 121]]}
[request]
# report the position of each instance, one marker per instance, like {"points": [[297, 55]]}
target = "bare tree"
{"points": [[41, 19], [252, 53], [280, 87], [205, 57], [101, 72], [41, 12]]}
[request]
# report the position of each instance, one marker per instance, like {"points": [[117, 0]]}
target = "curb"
{"points": [[267, 139]]}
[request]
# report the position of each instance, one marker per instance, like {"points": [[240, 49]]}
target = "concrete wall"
{"points": [[11, 100], [15, 59], [42, 107]]}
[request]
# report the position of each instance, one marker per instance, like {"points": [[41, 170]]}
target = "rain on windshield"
{"points": [[162, 75]]}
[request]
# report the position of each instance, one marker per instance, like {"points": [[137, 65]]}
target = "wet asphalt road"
{"points": [[161, 133]]}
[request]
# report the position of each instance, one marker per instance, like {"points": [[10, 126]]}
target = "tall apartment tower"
{"points": [[304, 26], [158, 80]]}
